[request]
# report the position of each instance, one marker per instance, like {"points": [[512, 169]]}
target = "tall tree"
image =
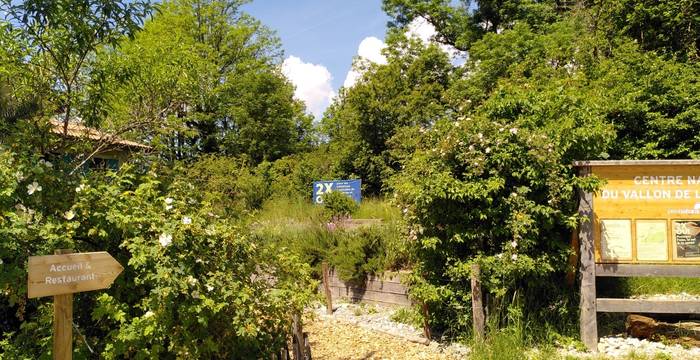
{"points": [[404, 94], [462, 23], [63, 36], [207, 77]]}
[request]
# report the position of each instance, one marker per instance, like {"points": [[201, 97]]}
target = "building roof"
{"points": [[80, 131]]}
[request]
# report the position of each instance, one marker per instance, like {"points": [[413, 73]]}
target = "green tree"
{"points": [[62, 37], [206, 78], [462, 23], [669, 26], [494, 173], [406, 93]]}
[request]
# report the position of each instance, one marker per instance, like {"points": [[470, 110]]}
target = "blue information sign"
{"points": [[350, 188]]}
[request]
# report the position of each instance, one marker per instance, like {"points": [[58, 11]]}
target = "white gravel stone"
{"points": [[620, 346]]}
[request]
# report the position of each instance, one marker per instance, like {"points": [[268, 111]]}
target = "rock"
{"points": [[641, 327]]}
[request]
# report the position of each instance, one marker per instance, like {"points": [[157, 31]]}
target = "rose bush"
{"points": [[194, 285], [498, 194]]}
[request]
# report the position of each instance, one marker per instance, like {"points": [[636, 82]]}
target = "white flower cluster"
{"points": [[33, 187], [168, 203], [165, 239]]}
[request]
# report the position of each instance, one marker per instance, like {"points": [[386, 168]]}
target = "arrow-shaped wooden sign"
{"points": [[71, 273]]}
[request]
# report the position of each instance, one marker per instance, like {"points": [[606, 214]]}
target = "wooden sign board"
{"points": [[71, 273], [648, 212]]}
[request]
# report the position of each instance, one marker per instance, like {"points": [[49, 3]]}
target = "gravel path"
{"points": [[336, 339], [367, 332]]}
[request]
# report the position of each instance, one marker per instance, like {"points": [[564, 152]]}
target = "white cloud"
{"points": [[370, 49], [424, 30], [312, 82]]}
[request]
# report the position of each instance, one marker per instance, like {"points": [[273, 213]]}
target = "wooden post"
{"points": [[588, 311], [63, 322], [426, 321], [477, 303], [298, 347], [327, 288]]}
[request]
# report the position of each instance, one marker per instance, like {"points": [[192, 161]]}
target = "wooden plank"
{"points": [[635, 162], [588, 315], [647, 270], [373, 283], [63, 323], [376, 296], [70, 273], [386, 288], [648, 306], [477, 303], [299, 349], [387, 278]]}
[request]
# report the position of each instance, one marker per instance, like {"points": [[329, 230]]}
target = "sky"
{"points": [[320, 39]]}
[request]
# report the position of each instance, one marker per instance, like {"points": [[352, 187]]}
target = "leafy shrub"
{"points": [[408, 316], [229, 184], [300, 226], [499, 195], [339, 205], [358, 253], [293, 176], [194, 284]]}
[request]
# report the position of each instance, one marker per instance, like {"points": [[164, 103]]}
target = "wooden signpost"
{"points": [[60, 276], [645, 221]]}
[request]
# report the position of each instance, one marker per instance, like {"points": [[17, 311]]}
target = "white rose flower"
{"points": [[191, 280], [514, 244], [488, 150], [514, 257], [210, 288], [169, 201], [514, 131], [165, 239], [33, 187], [186, 220], [80, 188], [69, 215], [148, 314]]}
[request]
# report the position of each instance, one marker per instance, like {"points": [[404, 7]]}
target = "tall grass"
{"points": [[305, 229], [377, 208]]}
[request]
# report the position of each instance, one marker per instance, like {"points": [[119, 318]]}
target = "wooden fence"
{"points": [[387, 290]]}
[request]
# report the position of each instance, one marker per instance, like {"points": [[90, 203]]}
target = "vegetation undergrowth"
{"points": [[318, 234], [636, 286]]}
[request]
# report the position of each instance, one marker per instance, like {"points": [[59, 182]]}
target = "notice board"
{"points": [[647, 211]]}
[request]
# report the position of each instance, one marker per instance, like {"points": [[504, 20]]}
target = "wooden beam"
{"points": [[63, 323], [648, 306], [588, 315], [647, 270], [477, 304]]}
